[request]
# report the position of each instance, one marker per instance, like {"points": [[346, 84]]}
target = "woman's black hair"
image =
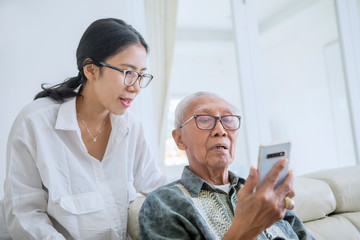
{"points": [[101, 40]]}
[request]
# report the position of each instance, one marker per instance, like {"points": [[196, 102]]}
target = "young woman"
{"points": [[75, 156]]}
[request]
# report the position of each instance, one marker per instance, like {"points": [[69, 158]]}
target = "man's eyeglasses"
{"points": [[131, 76], [208, 122]]}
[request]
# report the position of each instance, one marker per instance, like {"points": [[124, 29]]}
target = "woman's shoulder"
{"points": [[39, 105], [36, 108]]}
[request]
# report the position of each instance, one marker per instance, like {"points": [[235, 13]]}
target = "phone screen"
{"points": [[269, 155]]}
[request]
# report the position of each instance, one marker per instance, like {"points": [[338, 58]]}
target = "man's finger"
{"points": [[251, 181], [273, 175], [286, 188]]}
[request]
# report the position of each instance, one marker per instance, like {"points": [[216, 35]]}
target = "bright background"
{"points": [[288, 65]]}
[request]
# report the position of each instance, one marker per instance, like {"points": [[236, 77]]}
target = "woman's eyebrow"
{"points": [[131, 66]]}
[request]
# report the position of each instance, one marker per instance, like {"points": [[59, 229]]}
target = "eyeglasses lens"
{"points": [[208, 122], [230, 122], [130, 77], [145, 80], [205, 122]]}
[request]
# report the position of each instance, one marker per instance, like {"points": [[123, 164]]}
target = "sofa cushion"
{"points": [[345, 184], [314, 199], [354, 218], [333, 227], [133, 220]]}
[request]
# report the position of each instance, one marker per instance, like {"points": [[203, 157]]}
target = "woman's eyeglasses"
{"points": [[130, 76]]}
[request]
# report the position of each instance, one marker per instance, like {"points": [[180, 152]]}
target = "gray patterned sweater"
{"points": [[191, 208]]}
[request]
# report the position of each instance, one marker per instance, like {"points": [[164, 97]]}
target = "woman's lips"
{"points": [[126, 102]]}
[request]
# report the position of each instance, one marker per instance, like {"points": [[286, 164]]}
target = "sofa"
{"points": [[327, 201]]}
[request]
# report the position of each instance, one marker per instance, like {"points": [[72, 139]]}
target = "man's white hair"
{"points": [[182, 107]]}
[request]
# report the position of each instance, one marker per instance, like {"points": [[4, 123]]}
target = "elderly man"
{"points": [[210, 202]]}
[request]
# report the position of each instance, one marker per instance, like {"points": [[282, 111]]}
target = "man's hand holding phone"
{"points": [[269, 156], [258, 210]]}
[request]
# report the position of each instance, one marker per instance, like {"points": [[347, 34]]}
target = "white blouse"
{"points": [[54, 189]]}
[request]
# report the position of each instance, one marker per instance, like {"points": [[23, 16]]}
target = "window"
{"points": [[204, 60], [173, 155]]}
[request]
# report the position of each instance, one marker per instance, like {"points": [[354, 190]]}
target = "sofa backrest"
{"points": [[328, 202]]}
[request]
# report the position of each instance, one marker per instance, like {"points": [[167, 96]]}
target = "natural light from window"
{"points": [[173, 156]]}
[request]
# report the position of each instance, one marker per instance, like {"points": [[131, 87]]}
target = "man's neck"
{"points": [[214, 176]]}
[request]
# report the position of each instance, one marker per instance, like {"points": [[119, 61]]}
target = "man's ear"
{"points": [[90, 70], [177, 136]]}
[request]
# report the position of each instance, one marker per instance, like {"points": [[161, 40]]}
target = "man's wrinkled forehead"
{"points": [[206, 104], [207, 109]]}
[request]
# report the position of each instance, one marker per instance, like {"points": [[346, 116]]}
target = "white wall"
{"points": [[303, 81], [38, 43], [305, 88]]}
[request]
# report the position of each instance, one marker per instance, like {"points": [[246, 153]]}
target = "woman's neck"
{"points": [[91, 112]]}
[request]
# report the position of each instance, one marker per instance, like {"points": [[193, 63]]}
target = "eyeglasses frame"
{"points": [[141, 76], [216, 119]]}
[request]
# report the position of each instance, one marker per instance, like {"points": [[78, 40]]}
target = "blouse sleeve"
{"points": [[147, 175], [25, 201]]}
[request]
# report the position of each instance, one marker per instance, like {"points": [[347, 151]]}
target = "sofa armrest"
{"points": [[133, 214]]}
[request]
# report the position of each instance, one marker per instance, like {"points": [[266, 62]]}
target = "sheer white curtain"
{"points": [[161, 28], [349, 28], [251, 80]]}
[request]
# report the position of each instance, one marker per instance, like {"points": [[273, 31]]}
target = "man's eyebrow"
{"points": [[207, 109], [131, 66], [202, 108]]}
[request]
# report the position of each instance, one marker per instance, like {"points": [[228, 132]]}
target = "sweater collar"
{"points": [[195, 184]]}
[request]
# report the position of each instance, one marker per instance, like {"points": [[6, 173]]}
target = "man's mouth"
{"points": [[221, 146]]}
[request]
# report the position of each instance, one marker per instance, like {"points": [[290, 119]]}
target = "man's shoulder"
{"points": [[168, 199], [165, 189], [168, 194]]}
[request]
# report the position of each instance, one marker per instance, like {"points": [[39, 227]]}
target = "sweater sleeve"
{"points": [[298, 226], [164, 216]]}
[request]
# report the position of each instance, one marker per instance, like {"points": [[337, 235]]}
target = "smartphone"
{"points": [[269, 155]]}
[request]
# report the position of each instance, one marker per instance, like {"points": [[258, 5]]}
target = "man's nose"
{"points": [[219, 129]]}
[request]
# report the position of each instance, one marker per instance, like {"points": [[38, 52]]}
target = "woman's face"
{"points": [[109, 86]]}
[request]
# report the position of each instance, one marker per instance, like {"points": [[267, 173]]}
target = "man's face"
{"points": [[207, 148]]}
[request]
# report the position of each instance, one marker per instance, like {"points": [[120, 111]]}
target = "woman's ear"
{"points": [[90, 70], [177, 136]]}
